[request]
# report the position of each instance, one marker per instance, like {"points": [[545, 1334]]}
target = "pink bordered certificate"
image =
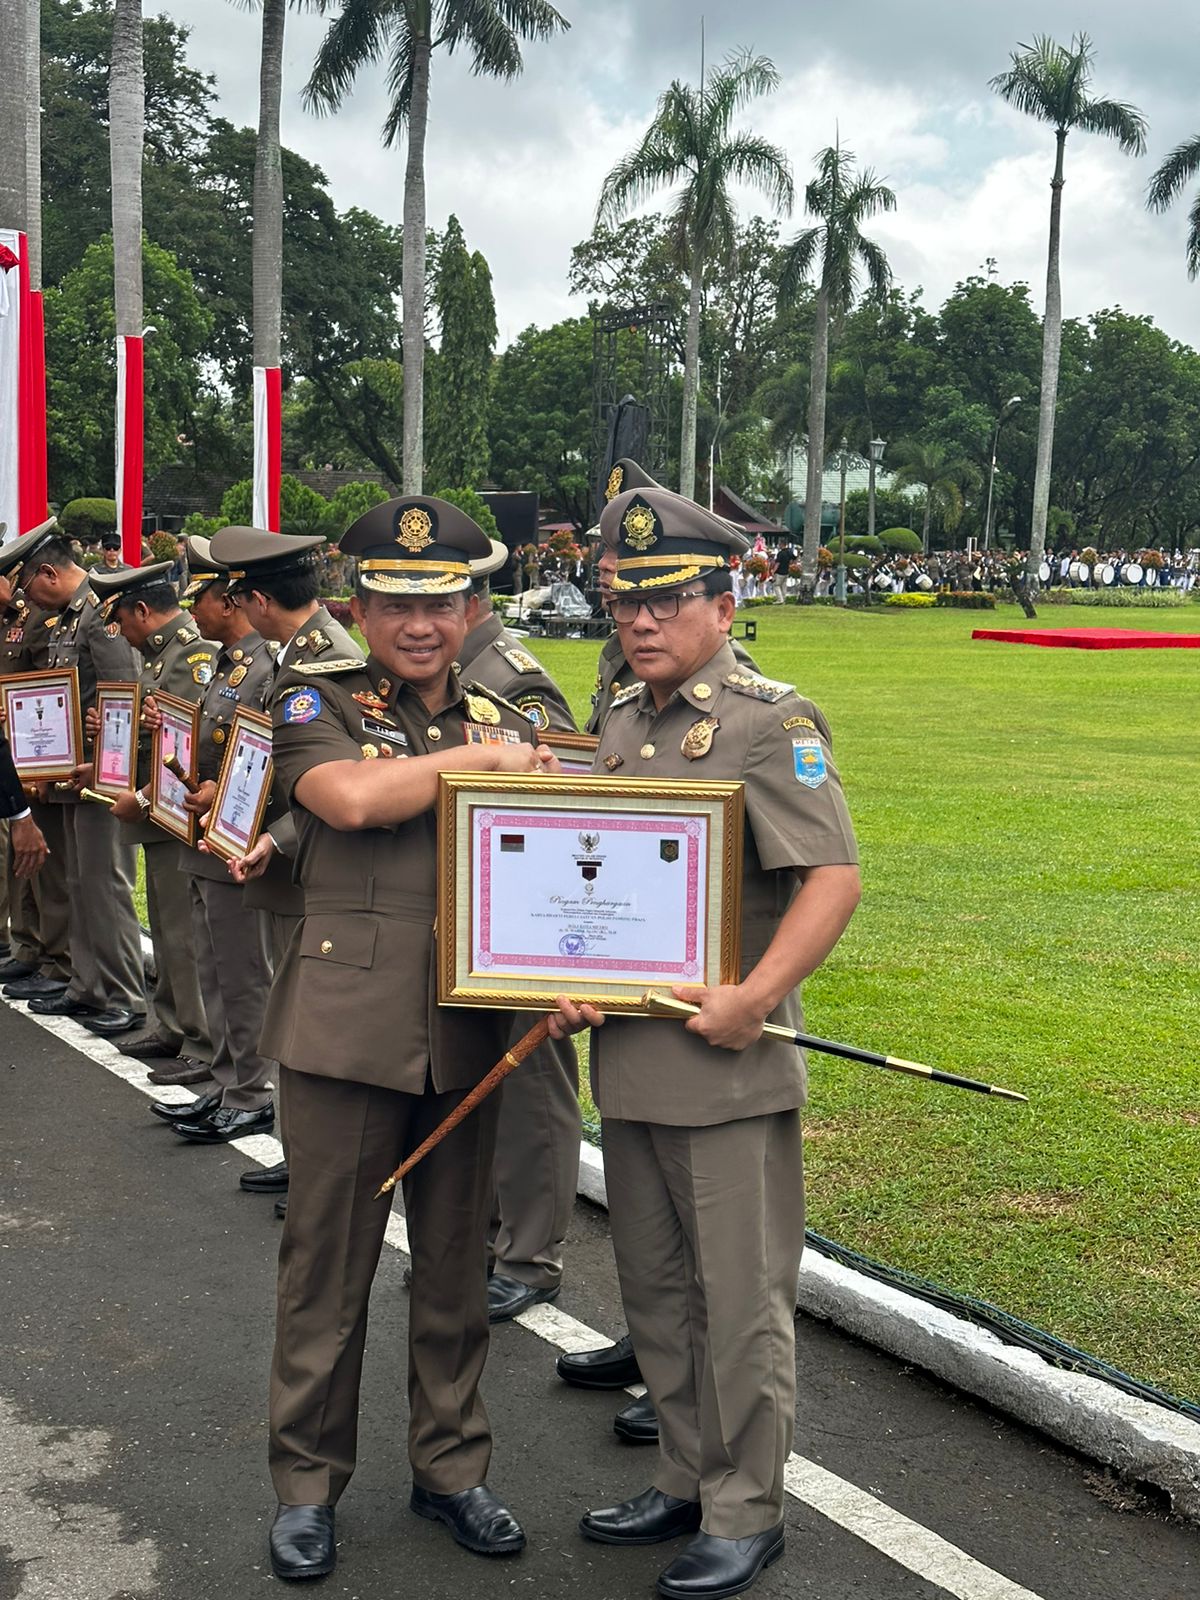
{"points": [[115, 754], [593, 887]]}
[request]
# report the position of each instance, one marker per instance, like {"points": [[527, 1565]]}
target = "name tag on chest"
{"points": [[227, 693], [380, 730], [486, 733]]}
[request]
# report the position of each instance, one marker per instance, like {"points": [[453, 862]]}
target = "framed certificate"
{"points": [[176, 735], [243, 787], [115, 754], [575, 751], [597, 888], [44, 728]]}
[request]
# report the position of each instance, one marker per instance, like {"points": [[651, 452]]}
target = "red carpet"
{"points": [[1092, 638]]}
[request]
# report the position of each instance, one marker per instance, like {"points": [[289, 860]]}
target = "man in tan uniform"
{"points": [[537, 1144], [702, 1121], [175, 660], [107, 988], [369, 1063]]}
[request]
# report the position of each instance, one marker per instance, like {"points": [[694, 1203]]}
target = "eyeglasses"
{"points": [[662, 607]]}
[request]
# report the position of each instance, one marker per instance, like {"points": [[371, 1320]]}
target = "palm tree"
{"points": [[690, 139], [943, 476], [14, 176], [407, 32], [126, 129], [844, 199], [1179, 168], [1051, 82]]}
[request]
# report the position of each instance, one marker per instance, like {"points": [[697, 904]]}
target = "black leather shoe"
{"points": [[302, 1542], [12, 969], [265, 1180], [225, 1124], [648, 1518], [712, 1568], [637, 1423], [172, 1111], [35, 985], [477, 1520], [61, 1005], [184, 1069], [116, 1019], [508, 1298], [151, 1048], [281, 1208], [614, 1367]]}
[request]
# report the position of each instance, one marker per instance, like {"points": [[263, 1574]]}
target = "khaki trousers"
{"points": [[178, 1008], [342, 1140], [708, 1227], [234, 979], [38, 905], [105, 940], [537, 1163]]}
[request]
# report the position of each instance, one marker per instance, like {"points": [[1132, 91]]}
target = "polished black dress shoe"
{"points": [[477, 1520], [184, 1069], [712, 1568], [302, 1542], [151, 1048], [265, 1180], [281, 1208], [648, 1518], [61, 1005], [12, 969], [508, 1298], [637, 1423], [34, 985], [614, 1367], [224, 1124], [172, 1111], [114, 1020]]}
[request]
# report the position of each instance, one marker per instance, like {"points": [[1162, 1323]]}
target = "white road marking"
{"points": [[918, 1549]]}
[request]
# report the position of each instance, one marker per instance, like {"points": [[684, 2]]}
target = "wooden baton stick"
{"points": [[173, 766], [508, 1062], [667, 1006]]}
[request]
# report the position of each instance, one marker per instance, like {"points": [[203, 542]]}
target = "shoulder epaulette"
{"points": [[518, 660], [186, 635], [622, 695], [93, 599], [317, 669], [758, 687]]}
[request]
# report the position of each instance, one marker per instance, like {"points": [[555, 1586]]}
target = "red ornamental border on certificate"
{"points": [[688, 827]]}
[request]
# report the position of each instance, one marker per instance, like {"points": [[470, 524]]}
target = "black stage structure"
{"points": [[630, 344]]}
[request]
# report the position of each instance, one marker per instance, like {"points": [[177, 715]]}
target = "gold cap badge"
{"points": [[415, 527]]}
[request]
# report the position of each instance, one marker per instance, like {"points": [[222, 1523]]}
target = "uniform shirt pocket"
{"points": [[346, 940]]}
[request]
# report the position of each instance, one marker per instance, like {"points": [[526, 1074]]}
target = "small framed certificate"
{"points": [[243, 787], [575, 751], [115, 754], [43, 724], [594, 887], [176, 735]]}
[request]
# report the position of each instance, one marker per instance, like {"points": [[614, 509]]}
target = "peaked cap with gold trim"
{"points": [[626, 474], [254, 554], [202, 569], [114, 588], [417, 544], [663, 540]]}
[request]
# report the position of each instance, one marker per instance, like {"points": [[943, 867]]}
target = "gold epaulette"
{"points": [[758, 687], [518, 660], [629, 693], [315, 669]]}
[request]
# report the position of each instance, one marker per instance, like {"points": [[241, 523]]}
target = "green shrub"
{"points": [[903, 540], [1117, 599], [354, 500], [301, 509], [88, 518], [863, 541], [913, 601], [478, 510], [967, 599], [163, 546], [197, 526]]}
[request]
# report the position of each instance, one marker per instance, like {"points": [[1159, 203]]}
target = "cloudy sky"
{"points": [[521, 163]]}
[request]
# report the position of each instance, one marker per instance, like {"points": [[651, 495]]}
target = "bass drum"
{"points": [[925, 582], [1085, 572], [1132, 574], [1073, 572], [1044, 572], [1108, 573], [1151, 577]]}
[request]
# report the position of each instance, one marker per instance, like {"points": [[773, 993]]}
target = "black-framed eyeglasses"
{"points": [[662, 607]]}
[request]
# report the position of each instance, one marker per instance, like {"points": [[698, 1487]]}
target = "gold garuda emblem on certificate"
{"points": [[640, 527], [415, 529]]}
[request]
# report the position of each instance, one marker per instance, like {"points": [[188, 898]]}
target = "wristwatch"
{"points": [[143, 803]]}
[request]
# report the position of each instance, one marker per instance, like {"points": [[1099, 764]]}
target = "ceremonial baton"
{"points": [[175, 768], [100, 799], [508, 1062], [665, 1006]]}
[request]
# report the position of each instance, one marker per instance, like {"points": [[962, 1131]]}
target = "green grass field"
{"points": [[1027, 823]]}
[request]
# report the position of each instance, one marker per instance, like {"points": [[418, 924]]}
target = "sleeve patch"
{"points": [[536, 712], [302, 705], [809, 761]]}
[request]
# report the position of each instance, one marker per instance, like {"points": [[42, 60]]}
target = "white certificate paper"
{"points": [[249, 774], [115, 746], [579, 895], [176, 740], [39, 727]]}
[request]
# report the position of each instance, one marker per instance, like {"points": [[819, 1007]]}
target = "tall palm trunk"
{"points": [[126, 130], [816, 443], [33, 139], [413, 271], [691, 382], [14, 175], [925, 524], [1051, 350], [267, 271]]}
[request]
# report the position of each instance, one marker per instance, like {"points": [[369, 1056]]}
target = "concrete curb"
{"points": [[1142, 1441]]}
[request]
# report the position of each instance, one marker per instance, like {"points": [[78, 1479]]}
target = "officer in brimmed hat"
{"points": [[142, 603], [370, 1063], [230, 942], [537, 1146], [702, 1122], [107, 988]]}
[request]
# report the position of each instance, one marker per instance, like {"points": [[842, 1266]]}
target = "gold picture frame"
{"points": [[243, 787], [43, 724], [575, 751], [177, 735], [599, 888], [115, 750]]}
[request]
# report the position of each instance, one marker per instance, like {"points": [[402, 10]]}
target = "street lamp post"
{"points": [[875, 449], [839, 581], [1006, 411]]}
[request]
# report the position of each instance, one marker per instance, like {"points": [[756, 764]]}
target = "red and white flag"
{"points": [[22, 392], [130, 446], [268, 446]]}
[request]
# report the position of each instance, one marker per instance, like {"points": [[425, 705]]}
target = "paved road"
{"points": [[136, 1283]]}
